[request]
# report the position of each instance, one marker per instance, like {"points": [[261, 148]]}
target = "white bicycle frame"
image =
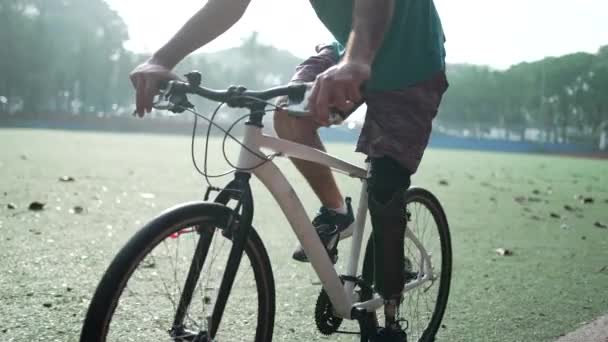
{"points": [[341, 295]]}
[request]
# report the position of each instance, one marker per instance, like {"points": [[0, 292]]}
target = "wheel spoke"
{"points": [[420, 304], [153, 318], [194, 243], [177, 284], [209, 270], [158, 286], [199, 255]]}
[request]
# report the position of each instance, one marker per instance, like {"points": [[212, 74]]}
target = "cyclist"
{"points": [[393, 47]]}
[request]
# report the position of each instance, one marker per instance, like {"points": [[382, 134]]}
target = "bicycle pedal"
{"points": [[333, 254]]}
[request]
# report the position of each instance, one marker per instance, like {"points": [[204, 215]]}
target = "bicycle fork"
{"points": [[238, 231]]}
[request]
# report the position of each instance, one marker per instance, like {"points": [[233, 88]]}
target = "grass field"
{"points": [[51, 260]]}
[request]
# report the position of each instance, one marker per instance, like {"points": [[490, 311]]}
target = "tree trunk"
{"points": [[6, 55], [564, 134]]}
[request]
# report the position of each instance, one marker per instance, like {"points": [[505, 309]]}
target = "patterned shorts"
{"points": [[397, 123]]}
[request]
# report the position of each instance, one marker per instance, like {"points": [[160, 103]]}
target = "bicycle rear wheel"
{"points": [[164, 283], [422, 307]]}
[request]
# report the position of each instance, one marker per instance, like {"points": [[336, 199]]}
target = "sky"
{"points": [[497, 33]]}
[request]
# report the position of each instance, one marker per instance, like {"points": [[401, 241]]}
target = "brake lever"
{"points": [[167, 100], [161, 100]]}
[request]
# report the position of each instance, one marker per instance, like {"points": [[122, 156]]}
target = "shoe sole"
{"points": [[348, 232], [302, 257]]}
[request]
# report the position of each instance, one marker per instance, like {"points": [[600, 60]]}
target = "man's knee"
{"points": [[291, 128], [281, 123], [388, 181]]}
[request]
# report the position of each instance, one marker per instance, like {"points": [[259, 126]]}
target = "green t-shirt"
{"points": [[412, 50]]}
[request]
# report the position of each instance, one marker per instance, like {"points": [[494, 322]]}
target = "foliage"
{"points": [[562, 97], [66, 57]]}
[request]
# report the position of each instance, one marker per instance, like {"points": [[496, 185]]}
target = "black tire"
{"points": [[103, 307], [421, 197]]}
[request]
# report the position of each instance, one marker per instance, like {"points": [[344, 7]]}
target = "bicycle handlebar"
{"points": [[238, 97], [174, 92]]}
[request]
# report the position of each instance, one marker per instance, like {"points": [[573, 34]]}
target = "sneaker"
{"points": [[393, 333], [329, 225]]}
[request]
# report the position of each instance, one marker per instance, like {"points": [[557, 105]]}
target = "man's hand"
{"points": [[338, 87], [146, 78], [215, 18]]}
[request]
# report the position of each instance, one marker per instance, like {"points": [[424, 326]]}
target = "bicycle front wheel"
{"points": [[164, 284], [423, 306]]}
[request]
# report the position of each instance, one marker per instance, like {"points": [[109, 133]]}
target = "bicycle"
{"points": [[131, 289]]}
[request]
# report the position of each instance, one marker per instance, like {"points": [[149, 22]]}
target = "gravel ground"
{"points": [[534, 206]]}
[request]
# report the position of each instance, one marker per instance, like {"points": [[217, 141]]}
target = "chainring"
{"points": [[325, 320]]}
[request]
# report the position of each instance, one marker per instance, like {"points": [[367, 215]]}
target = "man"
{"points": [[392, 47]]}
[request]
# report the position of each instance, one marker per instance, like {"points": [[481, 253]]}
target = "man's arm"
{"points": [[339, 86], [215, 18], [371, 20]]}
